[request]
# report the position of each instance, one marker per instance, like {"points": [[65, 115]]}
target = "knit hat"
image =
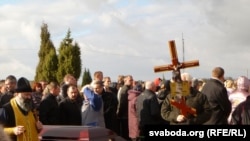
{"points": [[138, 87], [23, 85], [243, 83]]}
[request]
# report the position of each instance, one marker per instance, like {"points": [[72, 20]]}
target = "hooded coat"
{"points": [[132, 117]]}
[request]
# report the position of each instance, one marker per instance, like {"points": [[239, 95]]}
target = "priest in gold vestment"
{"points": [[17, 116]]}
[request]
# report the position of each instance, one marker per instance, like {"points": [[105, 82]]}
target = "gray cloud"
{"points": [[129, 37]]}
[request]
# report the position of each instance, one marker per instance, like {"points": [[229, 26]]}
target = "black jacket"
{"points": [[122, 108], [148, 109], [5, 98], [218, 99], [241, 114], [70, 112], [110, 103], [49, 111]]}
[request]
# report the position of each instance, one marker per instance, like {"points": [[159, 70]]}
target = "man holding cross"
{"points": [[197, 107], [185, 105]]}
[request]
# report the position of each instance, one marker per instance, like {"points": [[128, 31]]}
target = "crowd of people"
{"points": [[125, 106]]}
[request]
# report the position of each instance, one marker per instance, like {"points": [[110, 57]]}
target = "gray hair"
{"points": [[186, 77], [149, 84]]}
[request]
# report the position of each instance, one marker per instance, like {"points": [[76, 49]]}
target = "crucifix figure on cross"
{"points": [[176, 65], [177, 86]]}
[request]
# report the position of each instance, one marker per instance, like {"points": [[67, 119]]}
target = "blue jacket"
{"points": [[94, 99]]}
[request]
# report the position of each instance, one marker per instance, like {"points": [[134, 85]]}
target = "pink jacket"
{"points": [[132, 118]]}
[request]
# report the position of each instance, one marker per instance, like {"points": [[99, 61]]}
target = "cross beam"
{"points": [[176, 65]]}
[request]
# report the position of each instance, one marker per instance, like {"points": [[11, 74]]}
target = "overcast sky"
{"points": [[129, 36]]}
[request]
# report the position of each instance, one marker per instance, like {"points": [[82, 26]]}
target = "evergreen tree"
{"points": [[69, 59], [45, 49], [76, 61], [50, 69], [86, 79]]}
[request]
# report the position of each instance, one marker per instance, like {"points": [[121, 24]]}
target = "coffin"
{"points": [[77, 133]]}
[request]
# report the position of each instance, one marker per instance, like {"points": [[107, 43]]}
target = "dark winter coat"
{"points": [[5, 98], [241, 114], [195, 100], [70, 112], [110, 103], [49, 111], [148, 109], [218, 99], [122, 109]]}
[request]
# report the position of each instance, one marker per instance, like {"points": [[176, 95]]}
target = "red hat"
{"points": [[157, 81]]}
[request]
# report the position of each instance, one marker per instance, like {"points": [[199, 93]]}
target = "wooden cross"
{"points": [[176, 65], [178, 87]]}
